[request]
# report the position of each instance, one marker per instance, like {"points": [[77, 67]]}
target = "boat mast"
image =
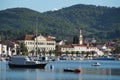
{"points": [[36, 34], [1, 39]]}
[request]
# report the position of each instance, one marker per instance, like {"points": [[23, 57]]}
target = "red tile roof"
{"points": [[66, 46], [27, 37], [31, 37], [48, 39]]}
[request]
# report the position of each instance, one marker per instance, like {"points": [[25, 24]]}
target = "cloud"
{"points": [[54, 9]]}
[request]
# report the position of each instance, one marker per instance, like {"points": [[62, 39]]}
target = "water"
{"points": [[108, 70]]}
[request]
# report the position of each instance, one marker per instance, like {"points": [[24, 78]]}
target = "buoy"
{"points": [[51, 67]]}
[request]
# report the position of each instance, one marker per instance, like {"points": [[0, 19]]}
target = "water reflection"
{"points": [[101, 71], [87, 73]]}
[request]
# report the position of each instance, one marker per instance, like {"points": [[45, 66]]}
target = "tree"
{"points": [[73, 52], [117, 51], [50, 52], [23, 49], [67, 53], [75, 40], [93, 52], [83, 53], [55, 52], [32, 52], [77, 53], [87, 54]]}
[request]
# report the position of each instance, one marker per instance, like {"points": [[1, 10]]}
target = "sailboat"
{"points": [[25, 61]]}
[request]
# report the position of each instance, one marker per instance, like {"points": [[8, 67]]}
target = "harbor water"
{"points": [[108, 70]]}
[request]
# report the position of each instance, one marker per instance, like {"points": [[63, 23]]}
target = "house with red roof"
{"points": [[7, 48], [38, 43], [80, 47]]}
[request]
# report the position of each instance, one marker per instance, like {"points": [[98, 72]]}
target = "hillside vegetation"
{"points": [[100, 22]]}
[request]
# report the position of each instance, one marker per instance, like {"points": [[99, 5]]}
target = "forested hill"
{"points": [[95, 21]]}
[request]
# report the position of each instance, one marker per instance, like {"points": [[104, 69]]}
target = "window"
{"points": [[50, 43]]}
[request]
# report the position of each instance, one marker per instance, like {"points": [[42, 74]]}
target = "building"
{"points": [[7, 47], [3, 50], [80, 38], [79, 47], [40, 43]]}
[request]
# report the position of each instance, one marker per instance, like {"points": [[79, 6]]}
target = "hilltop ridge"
{"points": [[100, 22]]}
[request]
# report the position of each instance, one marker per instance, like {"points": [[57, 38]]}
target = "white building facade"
{"points": [[40, 42], [7, 48], [79, 47], [3, 49]]}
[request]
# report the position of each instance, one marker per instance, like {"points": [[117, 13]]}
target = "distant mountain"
{"points": [[100, 22]]}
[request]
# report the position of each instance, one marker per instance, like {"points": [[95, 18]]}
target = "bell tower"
{"points": [[80, 38]]}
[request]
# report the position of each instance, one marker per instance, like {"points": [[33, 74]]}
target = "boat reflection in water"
{"points": [[103, 72]]}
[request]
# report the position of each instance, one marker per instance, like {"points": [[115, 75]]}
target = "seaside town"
{"points": [[49, 46], [60, 40]]}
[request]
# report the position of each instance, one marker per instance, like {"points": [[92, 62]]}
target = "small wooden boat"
{"points": [[96, 64], [72, 70]]}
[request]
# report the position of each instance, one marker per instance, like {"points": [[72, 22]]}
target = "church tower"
{"points": [[80, 38]]}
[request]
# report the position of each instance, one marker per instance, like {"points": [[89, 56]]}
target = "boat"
{"points": [[25, 62], [2, 59], [72, 70], [96, 64]]}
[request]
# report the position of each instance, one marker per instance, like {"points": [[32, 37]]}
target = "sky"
{"points": [[47, 5]]}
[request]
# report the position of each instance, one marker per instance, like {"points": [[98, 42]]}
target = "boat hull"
{"points": [[68, 70], [39, 66], [72, 70], [95, 64]]}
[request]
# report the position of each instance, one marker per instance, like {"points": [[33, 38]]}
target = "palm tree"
{"points": [[72, 52], [50, 52], [83, 52], [93, 52], [77, 53], [87, 54], [55, 52], [60, 53], [66, 53]]}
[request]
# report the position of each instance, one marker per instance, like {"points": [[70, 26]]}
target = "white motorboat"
{"points": [[96, 64]]}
